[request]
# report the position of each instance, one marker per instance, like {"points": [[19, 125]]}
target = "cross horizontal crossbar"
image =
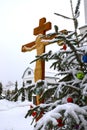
{"points": [[28, 45]]}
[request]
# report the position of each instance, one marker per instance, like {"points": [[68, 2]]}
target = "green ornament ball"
{"points": [[80, 75]]}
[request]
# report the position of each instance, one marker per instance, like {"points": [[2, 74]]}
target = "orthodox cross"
{"points": [[44, 26]]}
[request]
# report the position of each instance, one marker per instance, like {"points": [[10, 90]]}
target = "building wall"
{"points": [[85, 9], [28, 77]]}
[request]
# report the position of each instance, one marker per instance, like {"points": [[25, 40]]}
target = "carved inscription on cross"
{"points": [[44, 26]]}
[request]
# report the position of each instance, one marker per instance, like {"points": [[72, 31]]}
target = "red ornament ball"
{"points": [[64, 47], [60, 124], [70, 99], [34, 113]]}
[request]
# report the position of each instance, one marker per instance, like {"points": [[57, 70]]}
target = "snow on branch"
{"points": [[63, 111]]}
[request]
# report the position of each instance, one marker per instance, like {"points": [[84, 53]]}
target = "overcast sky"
{"points": [[18, 18]]}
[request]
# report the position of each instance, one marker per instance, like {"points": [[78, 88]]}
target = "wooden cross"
{"points": [[39, 73], [44, 26], [39, 44]]}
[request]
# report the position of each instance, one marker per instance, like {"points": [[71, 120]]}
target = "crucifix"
{"points": [[39, 72], [39, 44]]}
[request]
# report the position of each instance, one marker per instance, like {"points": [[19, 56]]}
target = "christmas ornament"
{"points": [[70, 99], [60, 124], [34, 113], [38, 90], [41, 114], [84, 58], [80, 75], [64, 46]]}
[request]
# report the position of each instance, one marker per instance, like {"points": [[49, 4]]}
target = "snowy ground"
{"points": [[12, 115]]}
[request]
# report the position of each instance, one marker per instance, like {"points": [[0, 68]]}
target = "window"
{"points": [[29, 72], [29, 81]]}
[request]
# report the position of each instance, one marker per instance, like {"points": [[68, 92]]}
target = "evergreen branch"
{"points": [[29, 113], [74, 50], [63, 95], [43, 56], [48, 93], [76, 23], [74, 88], [74, 18], [30, 87], [71, 34], [72, 8], [84, 36], [77, 7], [16, 94], [67, 78], [63, 16]]}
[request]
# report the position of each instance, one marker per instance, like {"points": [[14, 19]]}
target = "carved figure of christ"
{"points": [[40, 43]]}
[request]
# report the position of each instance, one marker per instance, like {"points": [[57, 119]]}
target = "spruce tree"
{"points": [[8, 95], [23, 92], [65, 102], [16, 92], [29, 95]]}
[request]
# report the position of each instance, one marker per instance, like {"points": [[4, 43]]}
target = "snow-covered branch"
{"points": [[64, 111]]}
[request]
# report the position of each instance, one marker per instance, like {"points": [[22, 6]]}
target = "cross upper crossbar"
{"points": [[43, 27]]}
